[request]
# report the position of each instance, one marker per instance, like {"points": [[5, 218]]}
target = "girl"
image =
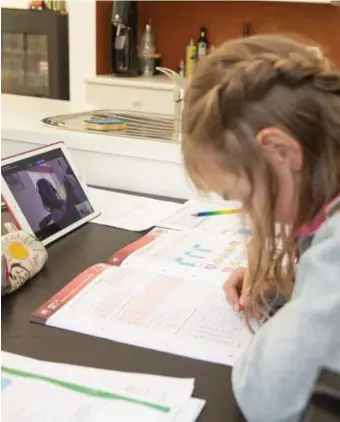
{"points": [[261, 125]]}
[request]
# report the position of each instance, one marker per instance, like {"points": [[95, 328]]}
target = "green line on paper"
{"points": [[85, 390]]}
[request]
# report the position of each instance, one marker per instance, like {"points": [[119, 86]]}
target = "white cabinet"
{"points": [[150, 95]]}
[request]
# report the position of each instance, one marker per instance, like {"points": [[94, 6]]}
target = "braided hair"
{"points": [[242, 88]]}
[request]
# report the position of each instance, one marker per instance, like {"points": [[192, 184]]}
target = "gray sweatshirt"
{"points": [[274, 378]]}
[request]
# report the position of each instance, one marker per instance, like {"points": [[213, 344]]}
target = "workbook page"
{"points": [[188, 317], [188, 254]]}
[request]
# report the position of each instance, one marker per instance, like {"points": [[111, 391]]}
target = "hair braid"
{"points": [[252, 79]]}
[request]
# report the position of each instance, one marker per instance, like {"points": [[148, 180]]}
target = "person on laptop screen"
{"points": [[52, 202]]}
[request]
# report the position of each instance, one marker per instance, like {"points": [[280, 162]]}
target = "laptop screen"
{"points": [[47, 192]]}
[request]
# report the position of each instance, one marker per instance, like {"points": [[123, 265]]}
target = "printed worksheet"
{"points": [[187, 254], [183, 316], [91, 394], [129, 212], [184, 218]]}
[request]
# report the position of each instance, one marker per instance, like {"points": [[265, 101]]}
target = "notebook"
{"points": [[163, 292]]}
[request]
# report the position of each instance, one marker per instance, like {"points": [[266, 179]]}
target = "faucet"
{"points": [[180, 86]]}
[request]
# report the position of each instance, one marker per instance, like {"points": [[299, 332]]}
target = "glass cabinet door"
{"points": [[24, 64]]}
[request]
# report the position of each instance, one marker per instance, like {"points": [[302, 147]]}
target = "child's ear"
{"points": [[281, 147]]}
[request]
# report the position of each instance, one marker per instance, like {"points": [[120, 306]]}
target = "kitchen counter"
{"points": [[21, 117], [124, 163]]}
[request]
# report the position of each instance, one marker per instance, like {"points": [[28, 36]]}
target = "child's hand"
{"points": [[233, 289]]}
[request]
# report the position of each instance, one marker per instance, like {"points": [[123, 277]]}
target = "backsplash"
{"points": [[175, 22]]}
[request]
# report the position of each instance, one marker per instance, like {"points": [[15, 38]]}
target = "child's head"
{"points": [[261, 124]]}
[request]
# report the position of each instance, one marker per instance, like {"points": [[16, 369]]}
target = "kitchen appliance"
{"points": [[124, 57]]}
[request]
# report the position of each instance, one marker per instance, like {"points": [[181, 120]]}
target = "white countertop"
{"points": [[21, 121], [157, 82]]}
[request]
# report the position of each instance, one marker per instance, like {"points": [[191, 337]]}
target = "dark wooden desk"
{"points": [[67, 258]]}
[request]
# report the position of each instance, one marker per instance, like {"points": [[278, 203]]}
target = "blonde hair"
{"points": [[248, 85]]}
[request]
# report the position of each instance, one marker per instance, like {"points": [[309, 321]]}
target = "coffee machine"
{"points": [[124, 53]]}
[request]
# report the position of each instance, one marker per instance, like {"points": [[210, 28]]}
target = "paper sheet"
{"points": [[188, 317], [129, 212], [138, 396], [189, 254], [183, 218]]}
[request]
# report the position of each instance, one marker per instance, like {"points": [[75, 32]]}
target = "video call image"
{"points": [[47, 192]]}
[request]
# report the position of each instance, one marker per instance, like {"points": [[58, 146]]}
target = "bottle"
{"points": [[181, 68], [190, 58], [202, 44], [246, 30], [147, 52]]}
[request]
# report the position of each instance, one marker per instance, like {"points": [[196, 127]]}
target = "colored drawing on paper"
{"points": [[193, 256], [245, 232], [233, 256], [5, 382], [225, 260]]}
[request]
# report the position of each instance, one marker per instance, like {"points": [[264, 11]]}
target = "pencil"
{"points": [[216, 212]]}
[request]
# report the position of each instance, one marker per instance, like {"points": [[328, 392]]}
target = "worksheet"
{"points": [[129, 212], [187, 254], [184, 316], [184, 218], [91, 394]]}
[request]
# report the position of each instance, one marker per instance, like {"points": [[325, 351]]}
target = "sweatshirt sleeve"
{"points": [[273, 379]]}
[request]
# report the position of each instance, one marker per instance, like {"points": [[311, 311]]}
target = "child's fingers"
{"points": [[236, 277], [233, 286], [232, 296], [255, 313], [244, 300]]}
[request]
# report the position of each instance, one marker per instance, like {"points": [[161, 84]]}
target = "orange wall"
{"points": [[103, 37], [175, 22]]}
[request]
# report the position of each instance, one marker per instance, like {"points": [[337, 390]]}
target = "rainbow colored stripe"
{"points": [[216, 212]]}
